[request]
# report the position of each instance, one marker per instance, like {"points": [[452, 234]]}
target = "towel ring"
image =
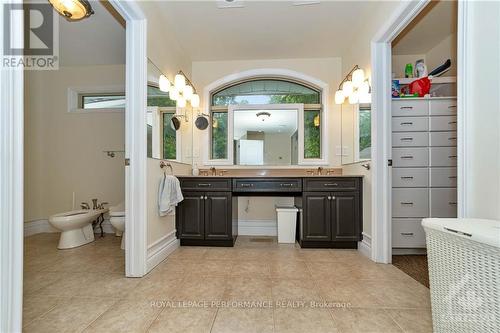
{"points": [[163, 164]]}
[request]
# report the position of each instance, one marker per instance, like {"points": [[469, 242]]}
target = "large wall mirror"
{"points": [[356, 133], [169, 128]]}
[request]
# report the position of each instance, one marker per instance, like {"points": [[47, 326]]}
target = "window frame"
{"points": [[357, 109], [75, 95], [157, 131]]}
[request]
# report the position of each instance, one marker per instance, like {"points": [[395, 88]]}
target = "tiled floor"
{"points": [[253, 287]]}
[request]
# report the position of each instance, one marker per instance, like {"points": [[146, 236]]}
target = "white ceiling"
{"points": [[280, 121], [433, 25], [265, 30], [97, 40]]}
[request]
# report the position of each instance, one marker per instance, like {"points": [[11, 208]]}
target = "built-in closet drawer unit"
{"points": [[410, 139], [410, 177], [443, 107], [410, 202], [267, 185], [410, 157], [443, 156], [443, 123], [410, 124], [443, 202], [443, 177], [443, 139], [403, 108], [328, 184], [209, 184], [408, 233]]}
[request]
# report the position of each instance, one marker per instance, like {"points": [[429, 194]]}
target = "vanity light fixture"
{"points": [[72, 10], [263, 115], [355, 87], [164, 83], [195, 101], [181, 102], [180, 81], [181, 91]]}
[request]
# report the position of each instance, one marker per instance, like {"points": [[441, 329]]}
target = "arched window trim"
{"points": [[268, 73]]}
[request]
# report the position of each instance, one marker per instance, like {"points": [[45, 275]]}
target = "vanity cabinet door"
{"points": [[189, 217], [345, 212], [317, 220], [218, 218]]}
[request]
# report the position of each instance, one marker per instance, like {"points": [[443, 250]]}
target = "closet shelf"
{"points": [[435, 80]]}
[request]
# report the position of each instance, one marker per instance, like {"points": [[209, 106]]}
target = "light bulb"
{"points": [[195, 101], [164, 83], [354, 98], [347, 88], [173, 94], [365, 98], [358, 76], [180, 82], [181, 102], [364, 88], [339, 97], [187, 92]]}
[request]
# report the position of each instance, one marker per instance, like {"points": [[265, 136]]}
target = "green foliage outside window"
{"points": [[169, 138], [365, 134], [312, 134], [219, 135], [156, 97]]}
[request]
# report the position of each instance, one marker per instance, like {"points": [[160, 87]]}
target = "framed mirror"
{"points": [[356, 133]]}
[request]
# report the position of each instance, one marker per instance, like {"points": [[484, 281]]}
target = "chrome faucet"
{"points": [[84, 205], [101, 205], [214, 171], [320, 170], [94, 204]]}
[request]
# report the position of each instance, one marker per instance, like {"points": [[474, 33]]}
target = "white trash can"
{"points": [[464, 274], [287, 223]]}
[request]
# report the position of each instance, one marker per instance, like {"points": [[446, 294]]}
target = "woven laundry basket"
{"points": [[464, 274]]}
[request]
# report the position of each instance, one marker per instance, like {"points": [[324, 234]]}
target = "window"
{"points": [[101, 101], [96, 99], [365, 134], [267, 91], [156, 97], [169, 137]]}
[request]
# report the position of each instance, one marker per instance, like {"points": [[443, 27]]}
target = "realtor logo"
{"points": [[37, 46]]}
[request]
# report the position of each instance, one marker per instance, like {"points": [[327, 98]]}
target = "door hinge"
{"points": [[389, 162], [127, 161]]}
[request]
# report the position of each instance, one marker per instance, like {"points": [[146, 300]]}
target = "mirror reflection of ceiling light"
{"points": [[73, 10], [355, 87], [263, 115]]}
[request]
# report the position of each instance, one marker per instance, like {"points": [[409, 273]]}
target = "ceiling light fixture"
{"points": [[72, 10], [263, 115], [355, 87]]}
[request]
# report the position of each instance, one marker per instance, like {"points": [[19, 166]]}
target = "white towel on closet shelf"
{"points": [[169, 195]]}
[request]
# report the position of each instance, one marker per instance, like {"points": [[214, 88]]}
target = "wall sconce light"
{"points": [[355, 87]]}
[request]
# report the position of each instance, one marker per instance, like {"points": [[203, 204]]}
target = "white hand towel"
{"points": [[169, 195]]}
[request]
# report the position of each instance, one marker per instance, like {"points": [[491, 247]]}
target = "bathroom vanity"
{"points": [[330, 217]]}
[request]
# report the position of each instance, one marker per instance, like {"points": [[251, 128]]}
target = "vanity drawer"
{"points": [[408, 233], [207, 184], [410, 107], [410, 139], [443, 123], [410, 157], [410, 124], [443, 107], [410, 177], [329, 184], [410, 202], [267, 185], [443, 139], [443, 156], [443, 177], [443, 202]]}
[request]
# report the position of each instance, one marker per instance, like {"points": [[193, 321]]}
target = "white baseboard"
{"points": [[43, 226], [161, 249], [365, 246], [257, 228]]}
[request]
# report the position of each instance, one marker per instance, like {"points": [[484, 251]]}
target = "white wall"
{"points": [[446, 49], [64, 151], [325, 69], [482, 111], [399, 63]]}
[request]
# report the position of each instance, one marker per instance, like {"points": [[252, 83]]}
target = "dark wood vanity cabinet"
{"points": [[206, 217], [331, 218]]}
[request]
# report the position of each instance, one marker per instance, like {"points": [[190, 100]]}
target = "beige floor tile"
{"points": [[413, 320], [35, 306], [290, 269], [214, 268], [72, 315], [253, 254], [125, 316], [35, 281], [114, 285], [154, 288], [222, 253], [398, 294], [171, 268], [326, 270], [189, 253], [196, 288], [364, 320], [251, 268], [184, 320], [354, 293], [301, 320], [316, 255], [248, 289], [70, 284], [294, 289], [243, 320]]}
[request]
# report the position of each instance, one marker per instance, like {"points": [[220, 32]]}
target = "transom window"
{"points": [[266, 121]]}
